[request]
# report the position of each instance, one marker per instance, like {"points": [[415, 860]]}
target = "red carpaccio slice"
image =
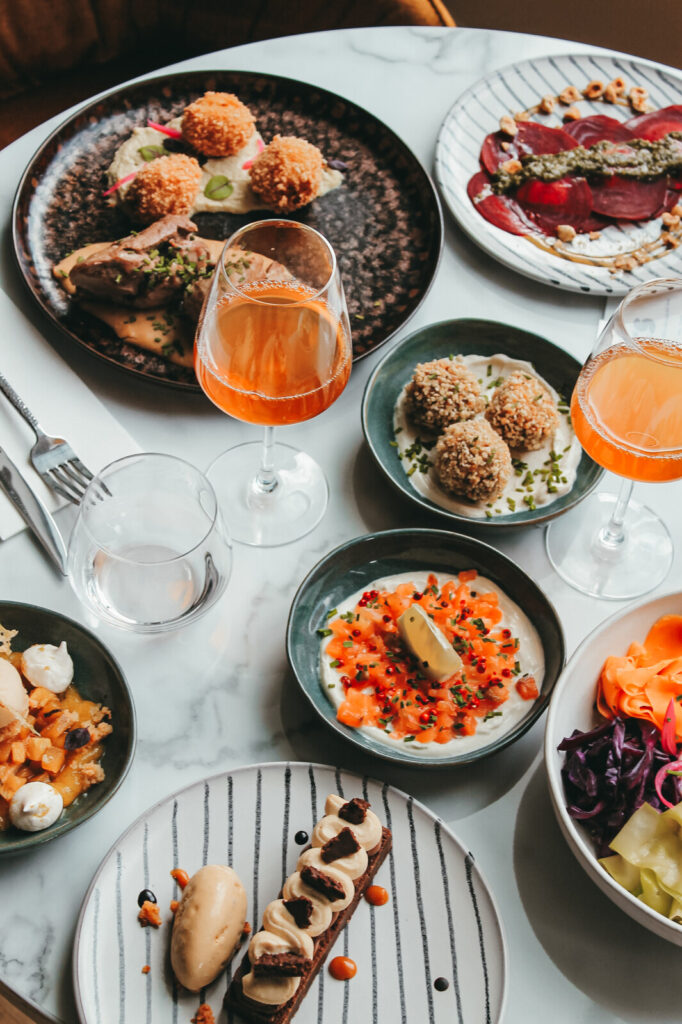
{"points": [[589, 130], [501, 211], [551, 203], [627, 198], [658, 123], [530, 138]]}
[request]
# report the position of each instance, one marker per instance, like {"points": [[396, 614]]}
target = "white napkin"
{"points": [[61, 402]]}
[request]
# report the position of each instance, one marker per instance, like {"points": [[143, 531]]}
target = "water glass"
{"points": [[149, 551]]}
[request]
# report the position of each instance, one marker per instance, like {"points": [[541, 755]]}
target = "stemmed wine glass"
{"points": [[626, 410], [273, 347]]}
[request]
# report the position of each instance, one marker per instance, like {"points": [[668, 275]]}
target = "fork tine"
{"points": [[80, 467], [60, 490], [72, 470], [67, 488]]}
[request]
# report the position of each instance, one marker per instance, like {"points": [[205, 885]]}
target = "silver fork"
{"points": [[53, 458]]}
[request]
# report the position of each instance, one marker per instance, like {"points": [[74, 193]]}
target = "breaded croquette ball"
{"points": [[441, 392], [523, 411], [165, 185], [217, 124], [288, 173], [472, 460]]}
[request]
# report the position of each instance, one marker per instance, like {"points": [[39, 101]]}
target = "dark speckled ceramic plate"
{"points": [[467, 337], [361, 561], [385, 221], [96, 677]]}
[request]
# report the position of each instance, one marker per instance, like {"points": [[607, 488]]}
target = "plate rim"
{"points": [[659, 925], [260, 765], [501, 523], [432, 764], [35, 839], [598, 289], [83, 109]]}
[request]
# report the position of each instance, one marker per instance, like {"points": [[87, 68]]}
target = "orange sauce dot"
{"points": [[376, 895], [343, 968], [180, 876]]}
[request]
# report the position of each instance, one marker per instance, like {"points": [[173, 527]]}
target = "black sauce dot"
{"points": [[147, 895], [301, 838], [440, 984]]}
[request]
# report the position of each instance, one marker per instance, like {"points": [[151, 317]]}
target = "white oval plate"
{"points": [[517, 87], [439, 921], [572, 707]]}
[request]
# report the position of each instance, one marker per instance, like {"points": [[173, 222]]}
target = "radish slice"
{"points": [[668, 732], [674, 766], [172, 133], [117, 184]]}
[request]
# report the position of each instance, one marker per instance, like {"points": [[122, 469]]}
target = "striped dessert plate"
{"points": [[586, 264], [434, 954]]}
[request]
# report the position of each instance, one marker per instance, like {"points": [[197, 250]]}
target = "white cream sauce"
{"points": [[564, 442], [530, 657], [242, 198]]}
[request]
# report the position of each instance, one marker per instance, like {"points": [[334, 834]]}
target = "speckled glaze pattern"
{"points": [[384, 221]]}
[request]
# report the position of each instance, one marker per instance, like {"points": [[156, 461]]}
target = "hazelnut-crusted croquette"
{"points": [[472, 460], [441, 392], [165, 185], [288, 173], [523, 411], [218, 124]]}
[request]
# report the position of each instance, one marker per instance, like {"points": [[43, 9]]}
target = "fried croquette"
{"points": [[217, 124], [165, 185], [523, 412], [472, 460], [442, 392], [288, 173]]}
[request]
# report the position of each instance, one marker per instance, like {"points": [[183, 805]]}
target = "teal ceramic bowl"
{"points": [[97, 677], [467, 337], [355, 565]]}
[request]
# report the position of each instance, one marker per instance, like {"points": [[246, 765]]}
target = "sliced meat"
{"points": [[551, 203], [530, 138], [588, 130], [147, 269], [501, 211], [629, 199], [657, 124]]}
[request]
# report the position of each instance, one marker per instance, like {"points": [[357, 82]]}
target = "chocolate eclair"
{"points": [[349, 844]]}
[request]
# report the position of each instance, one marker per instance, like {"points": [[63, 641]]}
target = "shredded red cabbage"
{"points": [[610, 771]]}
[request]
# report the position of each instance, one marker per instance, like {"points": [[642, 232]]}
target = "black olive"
{"points": [[76, 738], [146, 896]]}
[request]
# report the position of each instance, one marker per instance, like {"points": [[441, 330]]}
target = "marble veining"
{"points": [[220, 694]]}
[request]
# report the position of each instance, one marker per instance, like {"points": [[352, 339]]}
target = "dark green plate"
{"points": [[96, 677], [467, 337], [361, 561]]}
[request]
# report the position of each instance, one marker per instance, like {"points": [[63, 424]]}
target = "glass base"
{"points": [[618, 572], [264, 518]]}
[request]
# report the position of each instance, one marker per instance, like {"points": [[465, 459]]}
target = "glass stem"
{"points": [[266, 478], [612, 536]]}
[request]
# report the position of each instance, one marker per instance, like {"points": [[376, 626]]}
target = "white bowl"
{"points": [[572, 707]]}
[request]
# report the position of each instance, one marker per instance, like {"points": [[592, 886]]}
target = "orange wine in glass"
{"points": [[626, 410], [273, 347]]}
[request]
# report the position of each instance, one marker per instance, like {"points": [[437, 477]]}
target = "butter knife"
{"points": [[32, 511]]}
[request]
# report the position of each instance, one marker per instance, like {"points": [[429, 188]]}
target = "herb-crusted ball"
{"points": [[442, 392], [473, 461], [163, 186], [288, 173], [523, 411], [218, 124]]}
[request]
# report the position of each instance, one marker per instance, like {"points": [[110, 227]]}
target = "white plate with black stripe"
{"points": [[518, 87], [440, 921]]}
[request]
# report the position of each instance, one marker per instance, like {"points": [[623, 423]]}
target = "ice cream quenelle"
{"points": [[48, 666], [208, 926], [13, 696], [35, 806]]}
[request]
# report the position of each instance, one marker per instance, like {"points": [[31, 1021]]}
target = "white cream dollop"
{"points": [[35, 806], [367, 832], [48, 666], [13, 695]]}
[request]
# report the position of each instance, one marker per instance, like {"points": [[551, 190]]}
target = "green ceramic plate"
{"points": [[467, 337], [358, 563], [97, 677]]}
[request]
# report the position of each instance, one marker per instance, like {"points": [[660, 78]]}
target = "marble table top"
{"points": [[219, 694]]}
